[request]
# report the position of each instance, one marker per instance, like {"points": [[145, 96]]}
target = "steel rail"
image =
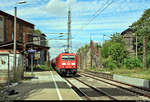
{"points": [[73, 86], [98, 90], [140, 93], [138, 87]]}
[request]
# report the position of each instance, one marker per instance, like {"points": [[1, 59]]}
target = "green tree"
{"points": [[118, 52], [132, 62], [143, 21], [142, 28], [105, 49], [114, 51], [116, 37], [37, 31]]}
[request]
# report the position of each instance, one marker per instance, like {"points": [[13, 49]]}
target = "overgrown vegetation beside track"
{"points": [[43, 67], [37, 68], [114, 55], [135, 73]]}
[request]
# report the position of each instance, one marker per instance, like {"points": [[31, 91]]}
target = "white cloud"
{"points": [[51, 16]]}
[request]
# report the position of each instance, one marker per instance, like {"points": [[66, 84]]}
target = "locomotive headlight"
{"points": [[73, 63], [63, 63]]}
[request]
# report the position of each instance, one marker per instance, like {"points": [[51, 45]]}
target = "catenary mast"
{"points": [[69, 42]]}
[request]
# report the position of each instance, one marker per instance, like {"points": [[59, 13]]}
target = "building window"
{"points": [[1, 19], [1, 29], [6, 37], [12, 35], [20, 31]]}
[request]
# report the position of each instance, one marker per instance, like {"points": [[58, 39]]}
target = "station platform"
{"points": [[55, 88], [44, 86]]}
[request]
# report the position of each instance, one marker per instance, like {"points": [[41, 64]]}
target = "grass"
{"points": [[28, 76], [43, 67], [135, 73]]}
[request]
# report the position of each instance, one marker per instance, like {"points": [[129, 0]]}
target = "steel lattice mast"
{"points": [[69, 42]]}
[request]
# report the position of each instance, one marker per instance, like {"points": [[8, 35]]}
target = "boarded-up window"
{"points": [[12, 33], [6, 37], [20, 31], [1, 29]]}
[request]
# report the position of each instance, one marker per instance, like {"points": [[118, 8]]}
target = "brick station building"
{"points": [[24, 34]]}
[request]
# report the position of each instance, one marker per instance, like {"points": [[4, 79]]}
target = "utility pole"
{"points": [[15, 11], [15, 15], [80, 60], [69, 30], [136, 45], [32, 64], [91, 53], [24, 55], [144, 52], [103, 38], [8, 74]]}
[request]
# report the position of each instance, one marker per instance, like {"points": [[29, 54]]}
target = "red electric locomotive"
{"points": [[66, 63]]}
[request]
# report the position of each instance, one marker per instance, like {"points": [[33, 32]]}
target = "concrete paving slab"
{"points": [[45, 94], [66, 92], [58, 89]]}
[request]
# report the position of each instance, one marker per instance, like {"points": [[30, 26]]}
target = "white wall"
{"points": [[4, 61]]}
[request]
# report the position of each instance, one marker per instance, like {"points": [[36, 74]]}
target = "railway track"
{"points": [[130, 88], [86, 95], [110, 76], [77, 89]]}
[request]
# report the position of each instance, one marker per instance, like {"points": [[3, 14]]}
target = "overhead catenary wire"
{"points": [[99, 11], [96, 12]]}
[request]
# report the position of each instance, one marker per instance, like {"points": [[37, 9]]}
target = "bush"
{"points": [[105, 49], [109, 63], [148, 60], [115, 50], [43, 68], [118, 52], [114, 54], [132, 62]]}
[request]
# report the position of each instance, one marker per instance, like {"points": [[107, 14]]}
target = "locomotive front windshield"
{"points": [[68, 57]]}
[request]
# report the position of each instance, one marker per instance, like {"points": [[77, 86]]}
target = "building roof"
{"points": [[19, 45], [9, 45], [37, 47], [127, 30], [12, 17], [43, 34], [38, 35]]}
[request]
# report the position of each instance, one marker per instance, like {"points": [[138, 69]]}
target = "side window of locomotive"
{"points": [[64, 57], [71, 57], [68, 57]]}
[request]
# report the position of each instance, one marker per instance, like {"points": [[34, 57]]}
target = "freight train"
{"points": [[65, 63]]}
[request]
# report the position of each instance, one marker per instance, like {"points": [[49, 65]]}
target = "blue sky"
{"points": [[51, 16]]}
